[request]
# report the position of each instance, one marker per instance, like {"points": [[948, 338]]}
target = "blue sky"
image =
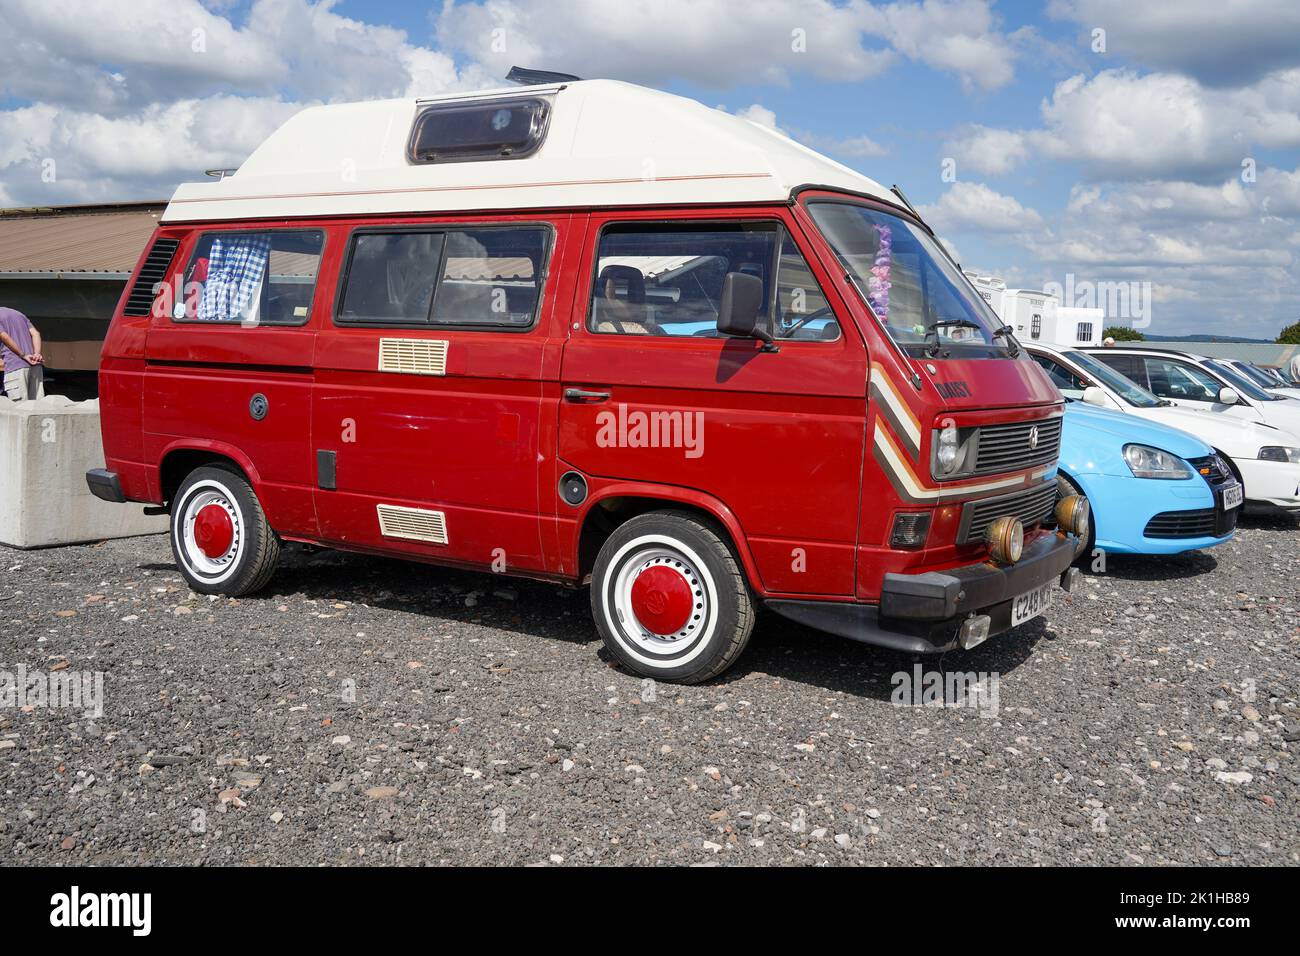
{"points": [[1115, 161]]}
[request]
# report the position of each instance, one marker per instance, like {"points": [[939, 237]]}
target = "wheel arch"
{"points": [[614, 504], [181, 458]]}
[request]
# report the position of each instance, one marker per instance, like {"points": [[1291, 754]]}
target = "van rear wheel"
{"points": [[220, 536], [669, 598]]}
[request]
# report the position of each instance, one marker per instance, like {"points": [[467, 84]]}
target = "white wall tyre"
{"points": [[669, 599], [219, 534]]}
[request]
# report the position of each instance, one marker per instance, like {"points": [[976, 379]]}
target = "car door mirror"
{"points": [[1228, 396], [1092, 395], [740, 308]]}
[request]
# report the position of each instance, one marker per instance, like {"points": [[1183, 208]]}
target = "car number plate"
{"points": [[1028, 606], [1233, 496]]}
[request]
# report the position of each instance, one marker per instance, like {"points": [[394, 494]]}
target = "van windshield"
{"points": [[915, 291]]}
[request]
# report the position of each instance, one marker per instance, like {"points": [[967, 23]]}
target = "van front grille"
{"points": [[1031, 507], [154, 270], [1007, 447]]}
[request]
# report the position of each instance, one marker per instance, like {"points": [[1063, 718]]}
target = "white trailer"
{"points": [[1038, 316]]}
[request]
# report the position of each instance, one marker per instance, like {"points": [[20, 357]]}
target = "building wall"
{"points": [[1260, 353], [72, 315]]}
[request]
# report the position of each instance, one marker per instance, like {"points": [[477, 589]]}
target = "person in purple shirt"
{"points": [[20, 344]]}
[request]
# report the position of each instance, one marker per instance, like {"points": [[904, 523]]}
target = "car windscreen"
{"points": [[1125, 388], [914, 290], [1242, 384]]}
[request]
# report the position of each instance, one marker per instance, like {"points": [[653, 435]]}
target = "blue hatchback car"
{"points": [[1152, 488]]}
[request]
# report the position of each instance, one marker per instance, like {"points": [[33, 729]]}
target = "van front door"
{"points": [[427, 418], [653, 396]]}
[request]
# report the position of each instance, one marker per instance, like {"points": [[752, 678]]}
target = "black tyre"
{"points": [[220, 537], [669, 598], [1064, 488]]}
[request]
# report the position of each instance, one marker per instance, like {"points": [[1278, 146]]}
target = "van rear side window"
{"points": [[477, 278], [253, 278]]}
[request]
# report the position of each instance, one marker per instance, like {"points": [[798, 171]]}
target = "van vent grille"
{"points": [[140, 301], [413, 356], [413, 523]]}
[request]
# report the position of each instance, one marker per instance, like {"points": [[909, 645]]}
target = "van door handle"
{"points": [[582, 395]]}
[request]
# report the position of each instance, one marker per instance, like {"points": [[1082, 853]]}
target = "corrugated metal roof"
{"points": [[75, 239]]}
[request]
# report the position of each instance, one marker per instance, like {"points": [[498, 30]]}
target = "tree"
{"points": [[1122, 333], [1290, 335]]}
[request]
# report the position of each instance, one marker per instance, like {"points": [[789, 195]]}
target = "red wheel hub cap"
{"points": [[662, 600], [214, 532]]}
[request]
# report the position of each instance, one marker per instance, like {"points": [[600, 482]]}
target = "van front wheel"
{"points": [[669, 598], [220, 537]]}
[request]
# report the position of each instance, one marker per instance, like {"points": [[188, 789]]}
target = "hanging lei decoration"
{"points": [[878, 284]]}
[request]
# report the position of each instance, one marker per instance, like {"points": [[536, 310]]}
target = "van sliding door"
{"points": [[427, 413]]}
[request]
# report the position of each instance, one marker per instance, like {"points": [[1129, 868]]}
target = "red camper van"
{"points": [[589, 333]]}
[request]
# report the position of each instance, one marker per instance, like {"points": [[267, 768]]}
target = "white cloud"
{"points": [[116, 57], [1121, 126], [718, 45], [975, 208], [992, 152], [1219, 43], [710, 42], [851, 147], [141, 155], [957, 36], [761, 115]]}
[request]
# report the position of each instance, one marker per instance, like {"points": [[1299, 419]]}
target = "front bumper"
{"points": [[1146, 516], [923, 613], [105, 484], [1270, 485]]}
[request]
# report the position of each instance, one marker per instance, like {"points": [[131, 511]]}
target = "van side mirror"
{"points": [[1092, 395], [740, 307], [1228, 396]]}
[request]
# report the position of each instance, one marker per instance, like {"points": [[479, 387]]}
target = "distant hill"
{"points": [[1234, 339]]}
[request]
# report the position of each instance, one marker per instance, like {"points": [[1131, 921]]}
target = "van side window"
{"points": [[490, 277], [486, 277], [253, 278], [665, 279]]}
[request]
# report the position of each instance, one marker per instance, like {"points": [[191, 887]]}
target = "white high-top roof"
{"points": [[608, 144]]}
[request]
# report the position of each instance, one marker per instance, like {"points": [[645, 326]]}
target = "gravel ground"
{"points": [[371, 711]]}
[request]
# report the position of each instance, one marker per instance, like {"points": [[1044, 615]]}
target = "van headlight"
{"points": [[951, 451], [1147, 462], [1279, 453]]}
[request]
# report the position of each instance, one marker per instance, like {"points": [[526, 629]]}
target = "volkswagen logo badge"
{"points": [[1033, 437]]}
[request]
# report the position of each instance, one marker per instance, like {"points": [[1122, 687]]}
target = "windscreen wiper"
{"points": [[932, 332], [1006, 331]]}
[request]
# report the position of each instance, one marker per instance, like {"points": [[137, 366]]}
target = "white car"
{"points": [[1266, 458], [1270, 382]]}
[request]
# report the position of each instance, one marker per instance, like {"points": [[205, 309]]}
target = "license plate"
{"points": [[1233, 496], [1029, 606]]}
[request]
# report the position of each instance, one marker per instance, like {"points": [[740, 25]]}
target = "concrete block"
{"points": [[46, 448]]}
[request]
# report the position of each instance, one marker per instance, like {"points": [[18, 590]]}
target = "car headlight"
{"points": [[951, 450], [1147, 462], [1279, 453]]}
